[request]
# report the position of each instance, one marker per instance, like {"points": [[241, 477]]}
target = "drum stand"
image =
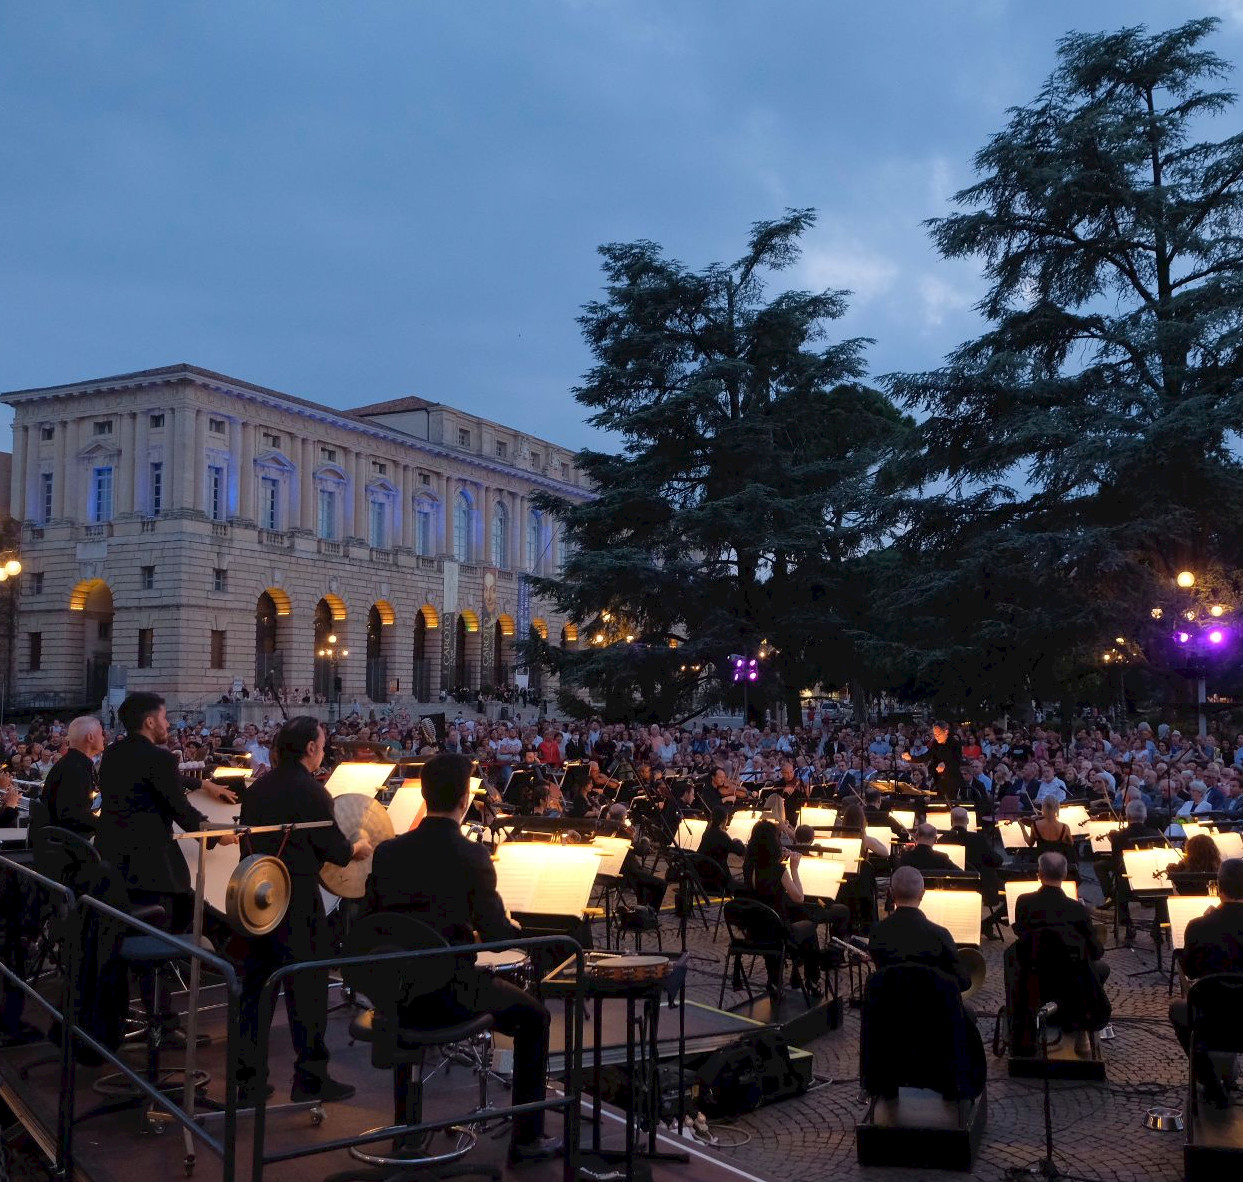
{"points": [[214, 1109]]}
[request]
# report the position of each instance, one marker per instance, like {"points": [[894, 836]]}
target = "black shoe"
{"points": [[527, 1153], [326, 1090]]}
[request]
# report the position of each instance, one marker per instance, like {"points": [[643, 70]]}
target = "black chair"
{"points": [[401, 1047], [756, 931], [1215, 1018]]}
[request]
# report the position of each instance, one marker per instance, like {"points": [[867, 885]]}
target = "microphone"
{"points": [[1046, 1011]]}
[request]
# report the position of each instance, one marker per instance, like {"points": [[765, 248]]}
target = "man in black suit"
{"points": [[69, 789], [1137, 834], [908, 936], [1213, 944], [289, 794], [436, 875], [877, 814], [1051, 909], [142, 796], [944, 757], [923, 857]]}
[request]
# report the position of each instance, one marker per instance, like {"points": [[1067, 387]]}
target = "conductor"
{"points": [[944, 756], [289, 794], [436, 875]]}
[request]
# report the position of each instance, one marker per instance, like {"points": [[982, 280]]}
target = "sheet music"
{"points": [[1076, 816], [1229, 844], [818, 816], [406, 805], [366, 778], [614, 851], [1183, 909], [842, 849], [690, 833], [1141, 868], [741, 824], [956, 853], [1018, 887], [821, 878], [904, 817], [1098, 833], [545, 879], [882, 833], [222, 860], [958, 911], [1011, 835]]}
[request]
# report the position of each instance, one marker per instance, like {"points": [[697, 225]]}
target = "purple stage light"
{"points": [[1181, 637], [752, 676], [1216, 636]]}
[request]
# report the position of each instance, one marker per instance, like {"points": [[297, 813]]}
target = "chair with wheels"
{"points": [[400, 1046]]}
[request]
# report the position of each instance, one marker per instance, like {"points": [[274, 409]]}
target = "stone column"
{"points": [[485, 496], [246, 474], [60, 473], [306, 487], [520, 564], [17, 477], [126, 473], [360, 495], [443, 542], [75, 505], [196, 472], [141, 463], [406, 508]]}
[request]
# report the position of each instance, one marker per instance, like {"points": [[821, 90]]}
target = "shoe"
{"points": [[326, 1090], [1083, 1044], [527, 1153]]}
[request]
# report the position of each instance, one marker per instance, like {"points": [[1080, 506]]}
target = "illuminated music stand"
{"points": [[741, 823], [821, 878], [407, 808], [690, 832], [904, 817], [539, 879], [939, 819], [1145, 873], [956, 853], [364, 778], [1013, 836], [818, 816], [956, 911], [1183, 909], [1016, 888], [1099, 833], [1076, 817]]}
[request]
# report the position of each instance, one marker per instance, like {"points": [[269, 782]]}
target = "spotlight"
{"points": [[1217, 610], [1186, 579], [1181, 637], [1216, 636], [1157, 613]]}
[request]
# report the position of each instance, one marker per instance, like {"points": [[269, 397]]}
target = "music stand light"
{"points": [[1076, 817], [956, 853], [940, 820], [364, 778], [1099, 833], [904, 817], [1016, 887], [741, 824], [534, 878], [407, 807], [1142, 867], [956, 911], [821, 878]]}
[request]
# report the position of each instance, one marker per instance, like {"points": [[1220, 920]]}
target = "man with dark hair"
{"points": [[290, 794], [438, 876], [142, 796], [1213, 944]]}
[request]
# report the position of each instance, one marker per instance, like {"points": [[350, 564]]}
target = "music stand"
{"points": [[818, 816], [407, 808], [364, 778], [1017, 887], [546, 879], [690, 832], [1144, 870], [956, 911]]}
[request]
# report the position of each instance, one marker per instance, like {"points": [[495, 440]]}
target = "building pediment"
{"points": [[275, 459]]}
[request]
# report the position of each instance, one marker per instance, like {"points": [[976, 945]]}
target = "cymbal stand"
{"points": [[203, 836]]}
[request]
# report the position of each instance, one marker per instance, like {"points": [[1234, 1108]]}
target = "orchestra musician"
{"points": [[440, 877], [289, 794], [142, 795], [908, 936], [791, 790], [1213, 944], [922, 856], [69, 790], [728, 791]]}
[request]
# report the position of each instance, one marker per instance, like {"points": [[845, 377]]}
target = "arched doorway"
{"points": [[324, 686], [420, 674], [377, 664], [93, 598], [271, 607]]}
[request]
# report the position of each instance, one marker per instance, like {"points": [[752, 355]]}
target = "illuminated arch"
{"points": [[507, 625], [387, 615], [431, 617], [336, 605], [570, 633], [83, 591], [470, 620], [540, 626], [281, 600]]}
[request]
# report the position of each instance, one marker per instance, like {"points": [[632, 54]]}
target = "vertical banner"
{"points": [[523, 630]]}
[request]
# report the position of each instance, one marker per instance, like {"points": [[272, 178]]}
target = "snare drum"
{"points": [[509, 964]]}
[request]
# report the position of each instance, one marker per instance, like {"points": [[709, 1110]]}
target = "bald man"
{"points": [[908, 936], [70, 786]]}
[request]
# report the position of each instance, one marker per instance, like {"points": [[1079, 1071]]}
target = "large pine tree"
{"points": [[1084, 447], [737, 493]]}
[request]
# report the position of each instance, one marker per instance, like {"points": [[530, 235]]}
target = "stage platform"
{"points": [[112, 1148]]}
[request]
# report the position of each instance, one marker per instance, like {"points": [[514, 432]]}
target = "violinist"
{"points": [[598, 782], [585, 801], [729, 791]]}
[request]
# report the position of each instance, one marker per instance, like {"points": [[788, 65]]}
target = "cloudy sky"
{"points": [[352, 201]]}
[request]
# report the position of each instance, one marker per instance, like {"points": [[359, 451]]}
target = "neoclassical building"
{"points": [[183, 531]]}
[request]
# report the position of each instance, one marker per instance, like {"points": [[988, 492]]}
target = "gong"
{"points": [[257, 895], [356, 815]]}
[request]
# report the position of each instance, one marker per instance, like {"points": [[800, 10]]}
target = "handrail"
{"points": [[64, 1118], [226, 1146], [569, 1102]]}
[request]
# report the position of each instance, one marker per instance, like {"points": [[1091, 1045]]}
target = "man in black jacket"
{"points": [[142, 796], [981, 858], [1051, 909], [908, 936], [289, 794], [436, 875], [69, 789], [923, 857], [1213, 944]]}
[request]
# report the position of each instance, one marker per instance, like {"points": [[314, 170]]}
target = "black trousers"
{"points": [[303, 935], [517, 1014], [1205, 1073]]}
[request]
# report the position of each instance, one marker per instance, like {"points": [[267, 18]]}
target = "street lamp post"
{"points": [[1197, 632], [333, 655], [10, 569]]}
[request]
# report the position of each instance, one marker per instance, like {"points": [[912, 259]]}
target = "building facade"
{"points": [[183, 531]]}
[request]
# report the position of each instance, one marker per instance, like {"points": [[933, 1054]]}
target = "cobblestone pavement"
{"points": [[1098, 1127]]}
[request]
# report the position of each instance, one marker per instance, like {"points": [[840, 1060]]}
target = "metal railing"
{"points": [[568, 1102]]}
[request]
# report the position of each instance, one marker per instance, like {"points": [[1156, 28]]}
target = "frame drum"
{"points": [[222, 860]]}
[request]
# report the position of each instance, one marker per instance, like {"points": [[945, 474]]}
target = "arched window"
{"points": [[535, 541], [462, 509], [424, 527], [563, 550], [500, 536]]}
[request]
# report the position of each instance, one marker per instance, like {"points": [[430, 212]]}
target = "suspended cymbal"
{"points": [[257, 895], [356, 815], [972, 960]]}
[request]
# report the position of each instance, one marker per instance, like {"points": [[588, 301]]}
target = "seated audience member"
{"points": [[1213, 944], [908, 936]]}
